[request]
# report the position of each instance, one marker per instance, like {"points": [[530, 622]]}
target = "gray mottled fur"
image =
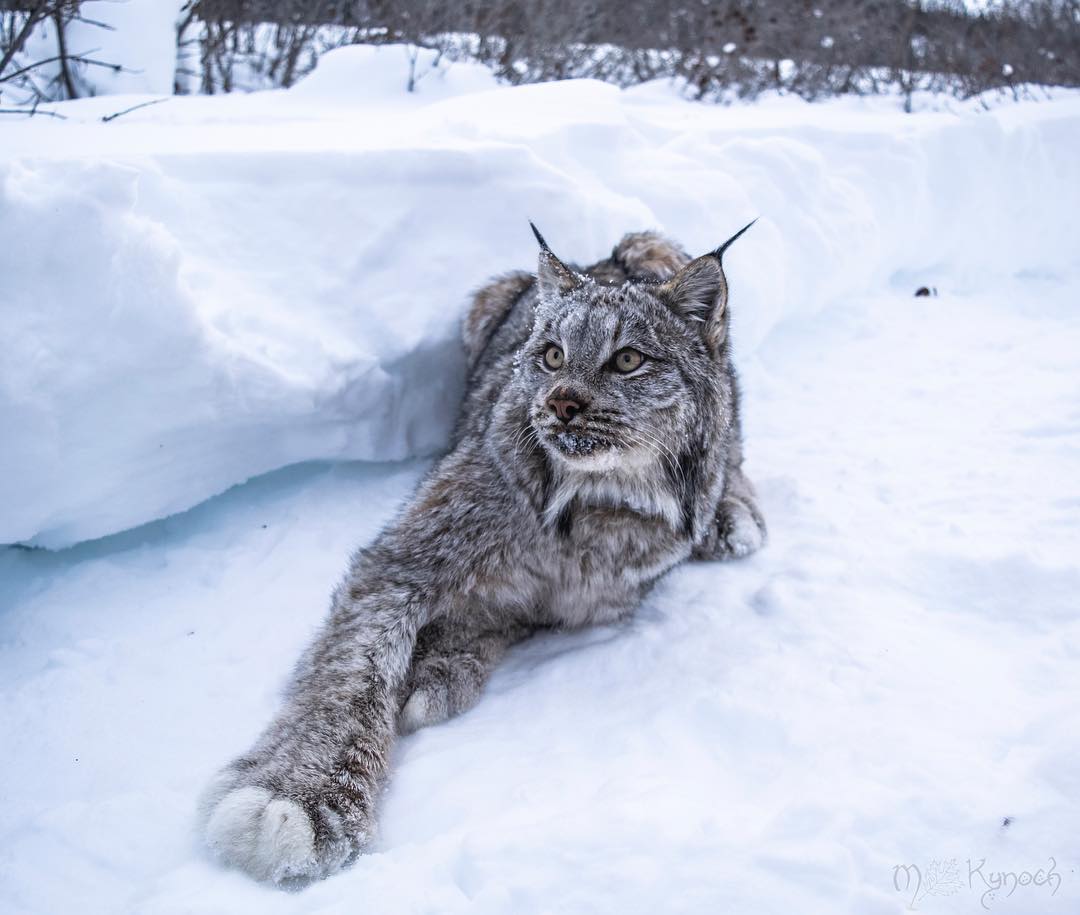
{"points": [[528, 522]]}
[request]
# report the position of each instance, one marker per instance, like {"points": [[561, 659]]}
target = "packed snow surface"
{"points": [[205, 290]]}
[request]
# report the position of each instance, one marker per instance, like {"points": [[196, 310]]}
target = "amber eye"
{"points": [[626, 360], [553, 357]]}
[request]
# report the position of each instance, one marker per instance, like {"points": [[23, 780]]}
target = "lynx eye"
{"points": [[553, 357], [626, 360]]}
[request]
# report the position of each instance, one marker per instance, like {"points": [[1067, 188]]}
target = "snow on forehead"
{"points": [[599, 309], [590, 316]]}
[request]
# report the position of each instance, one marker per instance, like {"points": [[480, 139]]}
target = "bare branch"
{"points": [[33, 112], [115, 115]]}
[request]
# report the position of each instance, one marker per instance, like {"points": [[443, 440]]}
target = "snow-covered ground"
{"points": [[207, 290]]}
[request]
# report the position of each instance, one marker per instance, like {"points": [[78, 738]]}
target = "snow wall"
{"points": [[211, 288]]}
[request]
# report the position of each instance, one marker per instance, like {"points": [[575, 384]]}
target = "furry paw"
{"points": [[268, 835], [440, 687], [742, 531], [739, 530], [426, 705]]}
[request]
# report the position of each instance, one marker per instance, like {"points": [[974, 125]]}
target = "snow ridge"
{"points": [[211, 289]]}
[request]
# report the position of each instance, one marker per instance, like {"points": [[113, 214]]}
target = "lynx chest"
{"points": [[602, 560]]}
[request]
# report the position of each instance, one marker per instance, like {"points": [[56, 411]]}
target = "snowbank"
{"points": [[378, 74], [210, 288]]}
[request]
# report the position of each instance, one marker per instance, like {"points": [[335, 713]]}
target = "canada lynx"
{"points": [[599, 446]]}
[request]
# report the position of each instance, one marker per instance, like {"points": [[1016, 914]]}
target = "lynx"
{"points": [[599, 446]]}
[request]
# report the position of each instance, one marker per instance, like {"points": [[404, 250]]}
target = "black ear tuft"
{"points": [[539, 237], [553, 276], [719, 252]]}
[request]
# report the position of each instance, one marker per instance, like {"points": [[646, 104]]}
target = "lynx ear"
{"points": [[554, 277], [699, 292]]}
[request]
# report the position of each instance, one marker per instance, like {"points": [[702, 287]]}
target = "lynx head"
{"points": [[625, 376]]}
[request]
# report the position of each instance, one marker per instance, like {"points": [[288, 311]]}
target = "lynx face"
{"points": [[618, 377], [609, 373]]}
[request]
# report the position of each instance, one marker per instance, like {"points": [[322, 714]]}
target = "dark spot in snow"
{"points": [[264, 527], [191, 632], [1006, 822], [925, 291]]}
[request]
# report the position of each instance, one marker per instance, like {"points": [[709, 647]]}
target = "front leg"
{"points": [[450, 666], [739, 527], [301, 804]]}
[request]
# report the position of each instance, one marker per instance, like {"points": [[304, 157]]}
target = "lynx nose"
{"points": [[565, 405]]}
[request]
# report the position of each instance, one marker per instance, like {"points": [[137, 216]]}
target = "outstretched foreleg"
{"points": [[302, 803]]}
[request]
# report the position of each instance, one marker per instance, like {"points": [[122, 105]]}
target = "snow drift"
{"points": [[211, 288]]}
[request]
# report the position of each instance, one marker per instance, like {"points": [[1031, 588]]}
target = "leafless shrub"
{"points": [[53, 71], [716, 49]]}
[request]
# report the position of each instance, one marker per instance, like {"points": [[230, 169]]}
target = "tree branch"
{"points": [[114, 116], [61, 44], [32, 112], [32, 19]]}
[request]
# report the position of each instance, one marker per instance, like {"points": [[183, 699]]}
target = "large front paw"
{"points": [[741, 529], [284, 836], [738, 530]]}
